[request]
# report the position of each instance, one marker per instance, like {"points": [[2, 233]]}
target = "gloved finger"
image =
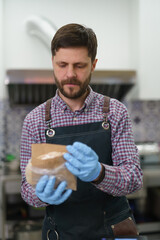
{"points": [[72, 169], [59, 190], [42, 183], [76, 153], [49, 189], [64, 197], [83, 148], [72, 160]]}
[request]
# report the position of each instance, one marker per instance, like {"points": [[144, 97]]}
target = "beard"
{"points": [[72, 93]]}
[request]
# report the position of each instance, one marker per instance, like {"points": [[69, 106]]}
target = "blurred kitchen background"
{"points": [[128, 69]]}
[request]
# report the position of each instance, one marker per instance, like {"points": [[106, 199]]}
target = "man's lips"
{"points": [[71, 84]]}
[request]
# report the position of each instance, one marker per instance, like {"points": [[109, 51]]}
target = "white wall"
{"points": [[110, 19], [149, 49], [128, 35], [2, 70]]}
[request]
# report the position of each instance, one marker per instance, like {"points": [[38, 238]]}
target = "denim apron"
{"points": [[89, 212]]}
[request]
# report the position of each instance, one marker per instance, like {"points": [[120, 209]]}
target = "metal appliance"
{"points": [[36, 86]]}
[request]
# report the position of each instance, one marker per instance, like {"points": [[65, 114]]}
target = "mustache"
{"points": [[71, 81]]}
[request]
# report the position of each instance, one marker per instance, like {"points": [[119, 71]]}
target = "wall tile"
{"points": [[145, 116]]}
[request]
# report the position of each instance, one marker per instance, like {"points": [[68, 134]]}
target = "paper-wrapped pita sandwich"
{"points": [[47, 159]]}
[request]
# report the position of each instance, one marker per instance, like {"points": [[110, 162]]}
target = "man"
{"points": [[101, 151]]}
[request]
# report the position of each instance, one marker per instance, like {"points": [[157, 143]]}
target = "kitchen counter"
{"points": [[10, 183], [152, 177]]}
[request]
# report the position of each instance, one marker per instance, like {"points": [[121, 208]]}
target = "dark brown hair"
{"points": [[75, 35]]}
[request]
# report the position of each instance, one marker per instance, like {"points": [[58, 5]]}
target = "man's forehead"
{"points": [[78, 54], [72, 50]]}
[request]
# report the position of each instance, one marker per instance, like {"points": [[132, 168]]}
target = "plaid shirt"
{"points": [[124, 177]]}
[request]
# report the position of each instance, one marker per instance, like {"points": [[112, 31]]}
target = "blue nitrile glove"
{"points": [[82, 161], [46, 193]]}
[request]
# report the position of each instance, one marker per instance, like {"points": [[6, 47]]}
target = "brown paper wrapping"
{"points": [[48, 158]]}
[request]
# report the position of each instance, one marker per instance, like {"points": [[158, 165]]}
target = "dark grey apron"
{"points": [[89, 212]]}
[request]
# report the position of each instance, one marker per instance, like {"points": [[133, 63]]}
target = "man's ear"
{"points": [[94, 65]]}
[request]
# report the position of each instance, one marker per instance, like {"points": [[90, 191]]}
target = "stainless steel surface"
{"points": [[152, 177], [9, 184], [27, 230], [148, 227], [36, 86], [150, 162], [149, 155], [148, 148]]}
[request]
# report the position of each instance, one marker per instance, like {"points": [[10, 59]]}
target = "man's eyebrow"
{"points": [[61, 62], [81, 63], [76, 63]]}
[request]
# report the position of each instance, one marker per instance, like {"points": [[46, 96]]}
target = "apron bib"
{"points": [[89, 212]]}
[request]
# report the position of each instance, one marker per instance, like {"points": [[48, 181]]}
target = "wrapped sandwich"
{"points": [[47, 159]]}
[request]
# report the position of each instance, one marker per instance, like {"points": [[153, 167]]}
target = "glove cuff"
{"points": [[98, 170], [101, 177]]}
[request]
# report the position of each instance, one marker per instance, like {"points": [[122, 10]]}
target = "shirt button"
{"points": [[74, 119], [85, 109]]}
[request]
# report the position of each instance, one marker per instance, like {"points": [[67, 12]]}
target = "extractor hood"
{"points": [[36, 86]]}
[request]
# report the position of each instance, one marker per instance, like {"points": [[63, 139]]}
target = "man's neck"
{"points": [[74, 104]]}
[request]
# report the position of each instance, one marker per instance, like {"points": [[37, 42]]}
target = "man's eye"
{"points": [[80, 66], [62, 65]]}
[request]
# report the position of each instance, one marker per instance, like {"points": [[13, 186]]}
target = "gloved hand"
{"points": [[82, 161], [45, 190]]}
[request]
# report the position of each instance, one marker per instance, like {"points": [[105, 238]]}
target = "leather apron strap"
{"points": [[105, 109], [47, 110], [106, 104]]}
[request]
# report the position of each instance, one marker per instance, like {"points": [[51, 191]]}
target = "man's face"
{"points": [[72, 71]]}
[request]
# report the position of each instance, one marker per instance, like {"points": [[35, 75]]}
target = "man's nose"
{"points": [[71, 72]]}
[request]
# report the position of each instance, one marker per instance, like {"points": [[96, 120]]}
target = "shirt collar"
{"points": [[59, 102], [89, 98], [63, 106]]}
